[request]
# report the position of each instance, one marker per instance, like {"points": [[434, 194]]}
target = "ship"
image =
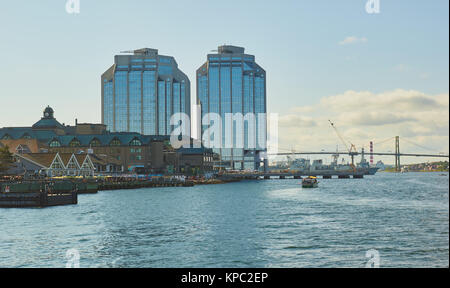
{"points": [[305, 165], [368, 169]]}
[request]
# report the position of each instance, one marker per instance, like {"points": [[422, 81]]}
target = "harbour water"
{"points": [[270, 223]]}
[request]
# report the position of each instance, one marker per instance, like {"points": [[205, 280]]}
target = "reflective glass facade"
{"points": [[232, 82], [141, 92]]}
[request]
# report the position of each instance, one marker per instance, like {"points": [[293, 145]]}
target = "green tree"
{"points": [[6, 159]]}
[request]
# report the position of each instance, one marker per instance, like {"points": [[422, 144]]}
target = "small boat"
{"points": [[310, 182]]}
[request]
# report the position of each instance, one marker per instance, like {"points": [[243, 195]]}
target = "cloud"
{"points": [[296, 121], [363, 116], [375, 118], [353, 40], [398, 100]]}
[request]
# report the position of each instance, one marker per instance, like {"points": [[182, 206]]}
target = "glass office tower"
{"points": [[140, 93], [231, 82]]}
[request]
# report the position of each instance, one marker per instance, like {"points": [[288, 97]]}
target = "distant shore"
{"points": [[415, 171]]}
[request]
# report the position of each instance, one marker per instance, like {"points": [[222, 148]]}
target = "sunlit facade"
{"points": [[231, 82], [141, 92]]}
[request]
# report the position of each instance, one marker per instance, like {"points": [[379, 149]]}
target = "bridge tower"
{"points": [[397, 153], [371, 153]]}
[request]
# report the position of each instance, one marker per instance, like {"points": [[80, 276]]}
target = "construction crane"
{"points": [[352, 150]]}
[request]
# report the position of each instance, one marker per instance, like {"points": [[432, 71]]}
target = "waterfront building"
{"points": [[141, 91], [196, 160], [110, 152], [132, 150], [230, 81], [55, 164]]}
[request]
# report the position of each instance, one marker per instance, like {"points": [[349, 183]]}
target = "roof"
{"points": [[46, 136], [31, 144], [81, 158], [65, 157], [102, 159], [125, 138], [42, 159], [46, 123]]}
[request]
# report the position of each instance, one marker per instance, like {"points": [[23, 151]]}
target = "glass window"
{"points": [[121, 109], [260, 107], [203, 94], [135, 103], [135, 142], [164, 60], [249, 108], [237, 104], [183, 98], [55, 143], [165, 70], [176, 98], [75, 143], [161, 108], [225, 99], [95, 143], [149, 104], [169, 107], [115, 142], [108, 104], [248, 66]]}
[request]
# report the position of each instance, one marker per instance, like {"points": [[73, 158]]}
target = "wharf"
{"points": [[326, 174], [37, 194], [143, 184]]}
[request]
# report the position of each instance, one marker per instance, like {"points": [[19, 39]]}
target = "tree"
{"points": [[6, 159]]}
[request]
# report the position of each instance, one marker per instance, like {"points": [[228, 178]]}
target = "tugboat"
{"points": [[310, 182]]}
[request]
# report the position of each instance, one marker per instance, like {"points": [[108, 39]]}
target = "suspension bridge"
{"points": [[352, 152]]}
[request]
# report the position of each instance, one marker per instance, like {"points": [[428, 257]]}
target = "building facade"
{"points": [[232, 82], [196, 161], [129, 150], [141, 91]]}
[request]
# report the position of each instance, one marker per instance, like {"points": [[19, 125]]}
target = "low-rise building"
{"points": [[196, 160], [54, 164], [131, 150]]}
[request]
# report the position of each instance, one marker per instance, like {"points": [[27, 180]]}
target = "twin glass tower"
{"points": [[231, 82], [141, 92]]}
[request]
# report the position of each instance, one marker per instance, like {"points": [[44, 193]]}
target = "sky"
{"points": [[375, 76]]}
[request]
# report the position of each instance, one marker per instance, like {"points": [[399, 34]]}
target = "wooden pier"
{"points": [[143, 184], [296, 175], [36, 194]]}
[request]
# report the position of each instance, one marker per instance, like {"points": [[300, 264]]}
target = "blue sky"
{"points": [[50, 57]]}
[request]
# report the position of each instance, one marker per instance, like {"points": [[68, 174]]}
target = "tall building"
{"points": [[141, 91], [231, 82]]}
